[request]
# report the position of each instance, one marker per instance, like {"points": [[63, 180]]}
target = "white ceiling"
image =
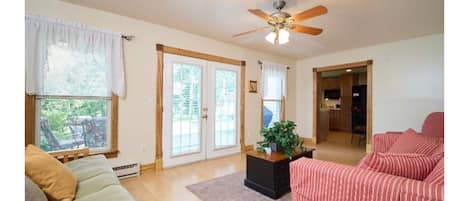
{"points": [[349, 23]]}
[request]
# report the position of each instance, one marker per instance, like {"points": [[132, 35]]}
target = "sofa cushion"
{"points": [[437, 176], [96, 180], [439, 151], [109, 193], [412, 142], [55, 179], [32, 192], [412, 166], [88, 167]]}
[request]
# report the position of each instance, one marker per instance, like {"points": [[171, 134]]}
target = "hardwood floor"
{"points": [[170, 184]]}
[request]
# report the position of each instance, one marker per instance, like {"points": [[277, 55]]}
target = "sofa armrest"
{"points": [[383, 142], [69, 155], [421, 191], [312, 179]]}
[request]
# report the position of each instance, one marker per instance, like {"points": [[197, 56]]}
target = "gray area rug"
{"points": [[229, 188]]}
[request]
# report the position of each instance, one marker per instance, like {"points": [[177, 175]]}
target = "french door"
{"points": [[201, 110]]}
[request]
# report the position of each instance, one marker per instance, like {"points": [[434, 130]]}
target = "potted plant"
{"points": [[281, 137]]}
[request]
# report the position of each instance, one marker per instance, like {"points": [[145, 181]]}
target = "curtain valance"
{"points": [[72, 59], [274, 80]]}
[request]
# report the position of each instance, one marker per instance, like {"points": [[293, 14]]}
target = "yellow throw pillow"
{"points": [[54, 178]]}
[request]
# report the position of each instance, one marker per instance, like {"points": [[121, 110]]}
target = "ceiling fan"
{"points": [[281, 22]]}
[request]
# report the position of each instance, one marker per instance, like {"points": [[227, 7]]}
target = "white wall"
{"points": [[407, 82], [137, 110]]}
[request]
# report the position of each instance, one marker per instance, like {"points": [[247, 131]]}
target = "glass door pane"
{"points": [[186, 109], [226, 91]]}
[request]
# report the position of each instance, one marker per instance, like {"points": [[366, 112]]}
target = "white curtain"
{"points": [[64, 58], [274, 80]]}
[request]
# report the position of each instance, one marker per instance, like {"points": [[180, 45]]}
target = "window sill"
{"points": [[69, 155], [108, 154]]}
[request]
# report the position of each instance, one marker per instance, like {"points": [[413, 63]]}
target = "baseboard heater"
{"points": [[127, 170]]}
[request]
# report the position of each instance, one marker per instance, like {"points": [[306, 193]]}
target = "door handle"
{"points": [[204, 116]]}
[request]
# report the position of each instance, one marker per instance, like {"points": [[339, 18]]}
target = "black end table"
{"points": [[270, 174]]}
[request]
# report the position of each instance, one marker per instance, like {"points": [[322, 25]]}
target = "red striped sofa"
{"points": [[315, 180]]}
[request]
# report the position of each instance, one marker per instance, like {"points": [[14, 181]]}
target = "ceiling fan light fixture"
{"points": [[282, 22], [270, 37], [283, 37]]}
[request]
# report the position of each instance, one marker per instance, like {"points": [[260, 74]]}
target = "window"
{"points": [[72, 122], [72, 75], [274, 93], [272, 110], [74, 110]]}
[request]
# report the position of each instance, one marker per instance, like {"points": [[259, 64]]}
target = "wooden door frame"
{"points": [[160, 51], [369, 105]]}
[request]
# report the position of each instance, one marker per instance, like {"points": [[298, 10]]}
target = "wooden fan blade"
{"points": [[251, 31], [313, 12], [260, 13], [306, 30]]}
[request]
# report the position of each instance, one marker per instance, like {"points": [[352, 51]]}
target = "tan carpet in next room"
{"points": [[338, 149]]}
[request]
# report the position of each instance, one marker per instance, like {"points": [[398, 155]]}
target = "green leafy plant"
{"points": [[282, 134]]}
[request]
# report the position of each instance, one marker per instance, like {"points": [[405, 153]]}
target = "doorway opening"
{"points": [[342, 106]]}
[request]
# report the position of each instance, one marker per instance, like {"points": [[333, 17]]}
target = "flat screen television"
{"points": [[332, 93]]}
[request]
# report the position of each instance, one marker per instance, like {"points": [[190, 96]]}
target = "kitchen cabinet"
{"points": [[330, 83], [323, 124], [341, 119], [334, 119], [345, 122]]}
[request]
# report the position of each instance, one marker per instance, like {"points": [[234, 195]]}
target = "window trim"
{"points": [[30, 124], [282, 109]]}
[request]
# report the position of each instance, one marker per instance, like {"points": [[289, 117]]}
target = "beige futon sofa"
{"points": [[96, 180]]}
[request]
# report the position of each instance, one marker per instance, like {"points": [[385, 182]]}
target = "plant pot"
{"points": [[267, 150], [274, 147]]}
